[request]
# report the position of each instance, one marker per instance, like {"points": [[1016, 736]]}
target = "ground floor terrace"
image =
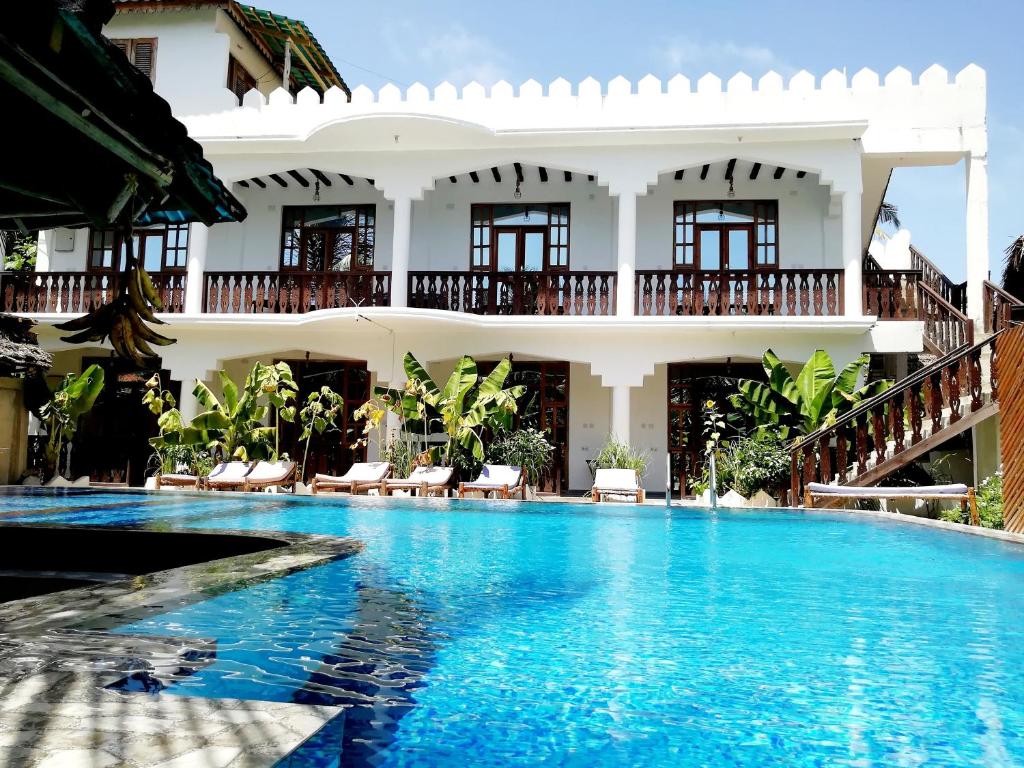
{"points": [[641, 381]]}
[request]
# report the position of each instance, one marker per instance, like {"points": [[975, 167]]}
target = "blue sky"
{"points": [[405, 41]]}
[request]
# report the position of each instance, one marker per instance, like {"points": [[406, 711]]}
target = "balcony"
{"points": [[778, 293], [587, 294], [276, 292], [79, 292]]}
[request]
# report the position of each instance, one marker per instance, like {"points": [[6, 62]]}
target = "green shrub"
{"points": [[620, 455], [526, 448], [990, 505], [756, 464], [400, 455]]}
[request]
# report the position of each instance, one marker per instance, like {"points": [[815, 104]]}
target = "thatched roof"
{"points": [[19, 351]]}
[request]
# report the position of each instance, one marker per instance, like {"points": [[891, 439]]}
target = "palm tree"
{"points": [[1013, 271]]}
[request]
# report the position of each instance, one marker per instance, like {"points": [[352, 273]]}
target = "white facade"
{"points": [[835, 140]]}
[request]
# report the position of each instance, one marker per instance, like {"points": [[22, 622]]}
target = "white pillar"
{"points": [[401, 245], [195, 276], [625, 290], [976, 171], [188, 406], [853, 255], [620, 412]]}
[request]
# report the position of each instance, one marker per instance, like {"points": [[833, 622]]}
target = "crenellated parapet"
{"points": [[836, 105]]}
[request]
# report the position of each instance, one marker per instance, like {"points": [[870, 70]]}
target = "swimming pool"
{"points": [[514, 634]]}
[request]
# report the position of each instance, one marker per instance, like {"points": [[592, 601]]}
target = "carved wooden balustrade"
{"points": [[887, 425], [954, 293], [79, 292], [294, 292], [783, 292], [998, 304], [945, 327], [514, 293], [892, 294]]}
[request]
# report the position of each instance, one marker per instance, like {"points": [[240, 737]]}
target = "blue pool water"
{"points": [[510, 634]]}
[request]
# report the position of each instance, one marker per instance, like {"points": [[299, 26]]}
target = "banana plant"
{"points": [[233, 425], [817, 396], [73, 397], [464, 406]]}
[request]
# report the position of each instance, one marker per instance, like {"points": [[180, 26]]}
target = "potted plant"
{"points": [[527, 448]]}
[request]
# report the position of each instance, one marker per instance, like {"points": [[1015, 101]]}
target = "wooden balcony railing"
{"points": [[79, 292], [891, 294], [945, 327], [293, 292], [884, 427], [514, 293], [783, 292], [998, 304], [954, 293]]}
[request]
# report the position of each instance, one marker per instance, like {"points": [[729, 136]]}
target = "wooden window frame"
{"points": [[237, 72], [766, 213], [481, 222], [129, 44], [365, 222], [143, 233]]}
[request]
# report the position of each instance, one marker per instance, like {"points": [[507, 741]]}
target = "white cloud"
{"points": [[721, 57], [454, 54]]}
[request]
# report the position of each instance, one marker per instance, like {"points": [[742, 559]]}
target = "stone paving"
{"points": [[57, 663]]}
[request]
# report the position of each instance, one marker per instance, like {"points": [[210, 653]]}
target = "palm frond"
{"points": [[1013, 269], [888, 213]]}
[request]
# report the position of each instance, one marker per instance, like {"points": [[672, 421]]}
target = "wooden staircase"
{"points": [[941, 400]]}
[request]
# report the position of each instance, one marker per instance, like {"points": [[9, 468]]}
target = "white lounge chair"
{"points": [[500, 479], [426, 481], [227, 475], [618, 482], [361, 476], [955, 492], [268, 473]]}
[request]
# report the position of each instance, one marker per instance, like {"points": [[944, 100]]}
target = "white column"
{"points": [[198, 237], [853, 255], [620, 412], [400, 247], [976, 170], [625, 289], [188, 406]]}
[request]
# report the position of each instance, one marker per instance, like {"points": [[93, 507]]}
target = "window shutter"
{"points": [[122, 46], [143, 57]]}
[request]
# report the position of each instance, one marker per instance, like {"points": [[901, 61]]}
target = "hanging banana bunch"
{"points": [[124, 320]]}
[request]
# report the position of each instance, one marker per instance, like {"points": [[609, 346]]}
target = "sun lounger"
{"points": [[617, 482], [500, 479], [228, 475], [956, 492], [178, 480], [268, 473], [361, 476], [426, 481]]}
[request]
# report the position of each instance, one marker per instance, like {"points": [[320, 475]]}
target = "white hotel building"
{"points": [[626, 242]]}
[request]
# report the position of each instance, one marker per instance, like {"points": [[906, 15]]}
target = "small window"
{"points": [[725, 234], [317, 238], [158, 249], [514, 221], [141, 51], [240, 82]]}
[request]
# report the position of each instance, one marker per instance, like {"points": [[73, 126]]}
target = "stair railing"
{"points": [[945, 327], [998, 304], [869, 427], [954, 293]]}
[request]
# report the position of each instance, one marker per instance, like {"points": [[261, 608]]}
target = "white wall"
{"points": [[255, 244], [191, 62], [648, 411], [805, 237], [590, 406], [441, 221]]}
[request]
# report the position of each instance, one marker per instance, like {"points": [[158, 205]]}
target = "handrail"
{"points": [[932, 327], [918, 377], [997, 304], [892, 422], [932, 274]]}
